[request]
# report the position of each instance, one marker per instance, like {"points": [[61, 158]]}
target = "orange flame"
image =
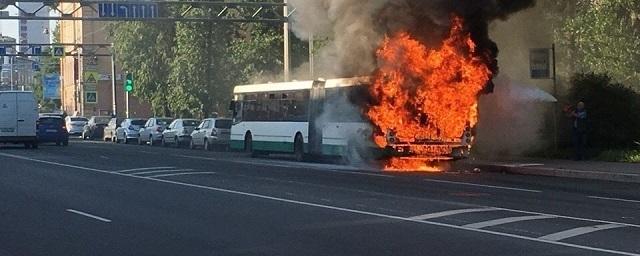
{"points": [[425, 93]]}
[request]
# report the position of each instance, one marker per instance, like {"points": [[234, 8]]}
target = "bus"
{"points": [[319, 117]]}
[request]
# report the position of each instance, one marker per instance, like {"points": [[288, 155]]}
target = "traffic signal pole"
{"points": [[114, 110]]}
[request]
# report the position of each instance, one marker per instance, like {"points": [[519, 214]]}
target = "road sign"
{"points": [[91, 97], [36, 50], [51, 85], [91, 77], [35, 66], [540, 64], [58, 51], [127, 10]]}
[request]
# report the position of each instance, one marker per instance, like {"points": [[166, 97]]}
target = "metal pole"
{"points": [[311, 57], [113, 82], [287, 59], [126, 99], [13, 60], [80, 84], [555, 94]]}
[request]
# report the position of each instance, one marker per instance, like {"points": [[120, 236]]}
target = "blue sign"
{"points": [[35, 66], [125, 10], [3, 51], [51, 86], [36, 50]]}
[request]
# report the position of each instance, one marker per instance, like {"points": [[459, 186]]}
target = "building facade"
{"points": [[86, 87]]}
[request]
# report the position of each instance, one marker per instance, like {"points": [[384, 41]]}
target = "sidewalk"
{"points": [[620, 172]]}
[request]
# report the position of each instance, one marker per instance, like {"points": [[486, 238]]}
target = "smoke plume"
{"points": [[356, 27]]}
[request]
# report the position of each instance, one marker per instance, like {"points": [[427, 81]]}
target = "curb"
{"points": [[539, 170]]}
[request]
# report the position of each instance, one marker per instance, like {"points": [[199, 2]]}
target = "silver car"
{"points": [[212, 132], [152, 130], [179, 132], [75, 124], [129, 130]]}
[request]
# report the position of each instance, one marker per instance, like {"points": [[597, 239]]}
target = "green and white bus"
{"points": [[318, 117]]}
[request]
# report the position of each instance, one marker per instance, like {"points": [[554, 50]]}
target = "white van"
{"points": [[18, 117]]}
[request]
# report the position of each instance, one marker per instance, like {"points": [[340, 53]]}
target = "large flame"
{"points": [[426, 93]]}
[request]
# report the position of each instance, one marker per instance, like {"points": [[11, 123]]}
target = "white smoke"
{"points": [[512, 119]]}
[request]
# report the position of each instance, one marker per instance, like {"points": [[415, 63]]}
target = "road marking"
{"points": [[160, 171], [578, 231], [501, 221], [145, 168], [329, 207], [178, 174], [88, 215], [482, 185], [451, 212], [614, 199], [308, 167]]}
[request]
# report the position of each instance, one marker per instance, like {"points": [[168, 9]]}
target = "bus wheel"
{"points": [[298, 148], [248, 143]]}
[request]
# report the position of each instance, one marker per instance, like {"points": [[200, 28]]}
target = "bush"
{"points": [[613, 111]]}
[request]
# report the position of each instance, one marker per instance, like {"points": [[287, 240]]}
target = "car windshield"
{"points": [[79, 119], [224, 123], [102, 119], [49, 120], [138, 122], [163, 121], [190, 123]]}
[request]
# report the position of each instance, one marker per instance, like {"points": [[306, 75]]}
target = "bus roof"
{"points": [[300, 85]]}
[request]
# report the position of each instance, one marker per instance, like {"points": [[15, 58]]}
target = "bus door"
{"points": [[316, 105]]}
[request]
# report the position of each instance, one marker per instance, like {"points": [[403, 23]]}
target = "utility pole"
{"points": [[311, 58], [113, 82], [12, 59], [287, 50]]}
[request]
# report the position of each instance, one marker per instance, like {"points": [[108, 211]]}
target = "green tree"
{"points": [[600, 36]]}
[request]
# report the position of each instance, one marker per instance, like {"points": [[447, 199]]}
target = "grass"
{"points": [[625, 156], [615, 155]]}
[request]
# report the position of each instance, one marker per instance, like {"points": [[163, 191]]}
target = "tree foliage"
{"points": [[189, 69], [601, 36]]}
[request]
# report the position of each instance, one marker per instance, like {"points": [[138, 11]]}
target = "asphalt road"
{"points": [[95, 198]]}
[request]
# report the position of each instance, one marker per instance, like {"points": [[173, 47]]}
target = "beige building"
{"points": [[86, 80]]}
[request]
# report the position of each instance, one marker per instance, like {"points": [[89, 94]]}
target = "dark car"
{"points": [[95, 127], [51, 129]]}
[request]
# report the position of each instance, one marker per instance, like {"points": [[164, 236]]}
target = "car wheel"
{"points": [[58, 143], [176, 142], [34, 145], [191, 146], [65, 143], [207, 146], [27, 145], [151, 142], [139, 141], [126, 140], [163, 143]]}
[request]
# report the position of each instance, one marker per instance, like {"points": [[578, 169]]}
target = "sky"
{"points": [[10, 27]]}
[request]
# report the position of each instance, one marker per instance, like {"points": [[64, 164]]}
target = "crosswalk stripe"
{"points": [[178, 174], [161, 171], [145, 168], [451, 212], [578, 231], [501, 221]]}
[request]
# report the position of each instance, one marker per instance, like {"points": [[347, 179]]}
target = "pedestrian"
{"points": [[579, 130]]}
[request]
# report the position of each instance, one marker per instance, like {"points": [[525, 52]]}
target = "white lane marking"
{"points": [[451, 212], [145, 168], [329, 207], [178, 174], [614, 199], [308, 167], [89, 215], [501, 221], [482, 185], [578, 231], [160, 171]]}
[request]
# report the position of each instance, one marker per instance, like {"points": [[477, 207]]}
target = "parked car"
{"points": [[75, 124], [212, 132], [152, 130], [18, 116], [179, 132], [95, 127], [109, 133], [129, 130], [52, 129]]}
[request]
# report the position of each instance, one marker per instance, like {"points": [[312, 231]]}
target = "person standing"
{"points": [[579, 131]]}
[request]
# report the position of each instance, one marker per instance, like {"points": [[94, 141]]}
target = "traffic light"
{"points": [[128, 83]]}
